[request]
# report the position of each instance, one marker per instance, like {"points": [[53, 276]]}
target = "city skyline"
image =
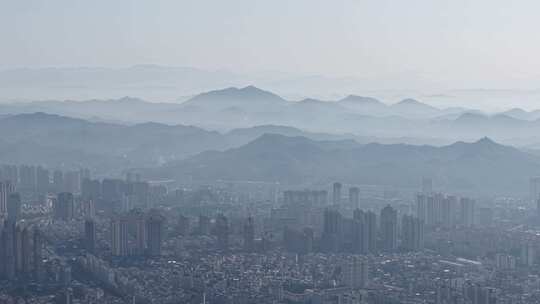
{"points": [[269, 152]]}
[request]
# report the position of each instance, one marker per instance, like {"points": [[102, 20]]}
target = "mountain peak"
{"points": [[412, 107], [311, 100], [252, 88], [274, 137], [245, 92], [520, 113], [249, 91], [410, 101], [360, 100], [485, 141], [235, 97], [483, 144], [468, 116]]}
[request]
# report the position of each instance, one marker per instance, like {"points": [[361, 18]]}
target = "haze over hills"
{"points": [[482, 166], [169, 83], [65, 141], [148, 81], [364, 117], [322, 152], [267, 153]]}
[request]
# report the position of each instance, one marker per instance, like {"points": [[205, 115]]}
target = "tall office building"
{"points": [[298, 205], [355, 273], [88, 208], [112, 190], [427, 185], [534, 188], [42, 180], [528, 254], [26, 251], [389, 228], [14, 207], [2, 251], [412, 233], [119, 236], [18, 249], [84, 173], [127, 203], [10, 173], [8, 250], [433, 210], [370, 224], [222, 232], [72, 181], [139, 229], [332, 221], [90, 236], [332, 231], [538, 207], [354, 197], [361, 231], [357, 227], [156, 193], [421, 206], [300, 242], [308, 237], [448, 211], [467, 207], [58, 181], [358, 214], [183, 225], [27, 175], [249, 235], [37, 256], [204, 225], [64, 206], [141, 194], [90, 189], [6, 188], [154, 228], [336, 193]]}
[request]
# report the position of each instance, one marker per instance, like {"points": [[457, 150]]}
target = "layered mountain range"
{"points": [[256, 135], [276, 154], [56, 140], [231, 108]]}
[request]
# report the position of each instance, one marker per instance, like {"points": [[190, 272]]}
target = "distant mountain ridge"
{"points": [[143, 144], [482, 166], [232, 108], [267, 153]]}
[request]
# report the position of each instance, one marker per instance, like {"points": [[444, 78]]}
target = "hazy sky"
{"points": [[448, 43]]}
